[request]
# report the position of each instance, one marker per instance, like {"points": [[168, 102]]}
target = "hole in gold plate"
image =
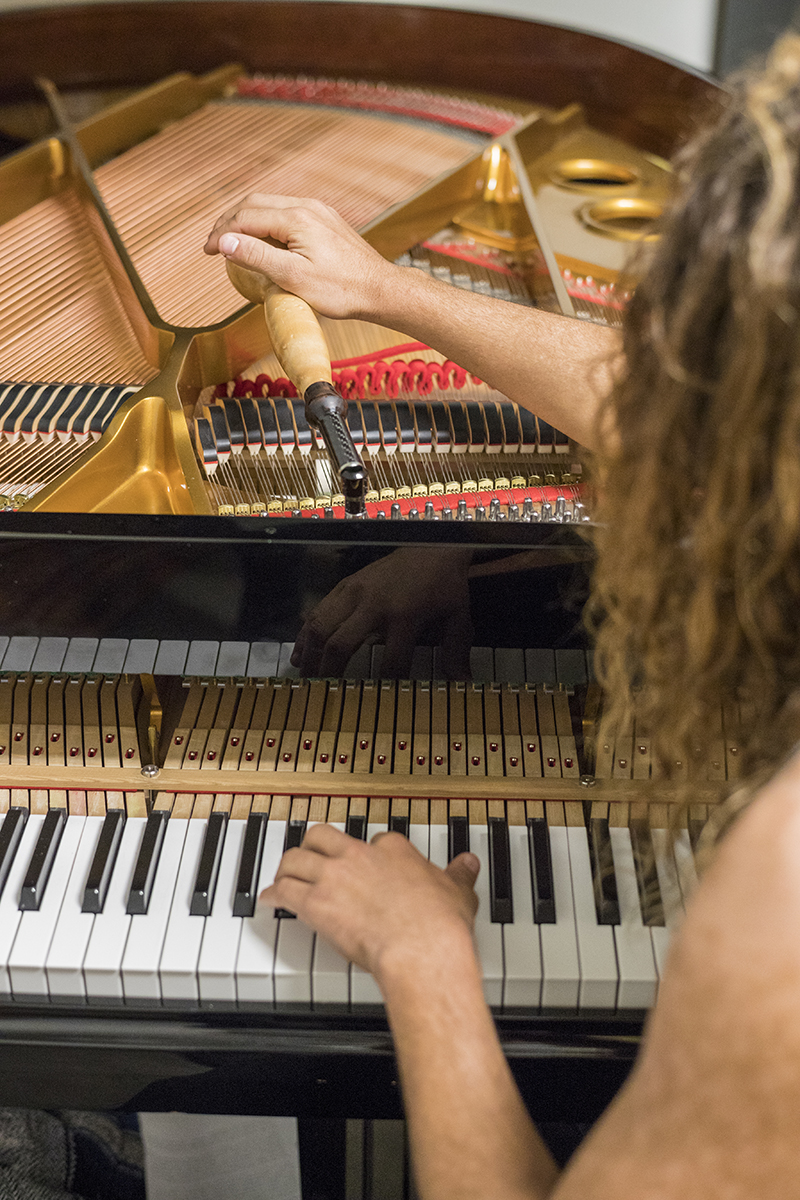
{"points": [[629, 218], [582, 173]]}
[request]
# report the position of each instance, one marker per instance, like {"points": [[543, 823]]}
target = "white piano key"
{"points": [[481, 663], [217, 964], [638, 977], [560, 965], [671, 899], [488, 937], [10, 914], [596, 950], [285, 668], [330, 970], [202, 658], [102, 966], [50, 654], [263, 660], [20, 653], [509, 665], [4, 640], [110, 657], [178, 966], [140, 979], [684, 861], [256, 957], [437, 845], [232, 659], [294, 956], [521, 941], [540, 666], [80, 655], [419, 835], [171, 657], [141, 656], [64, 964], [26, 963], [363, 988]]}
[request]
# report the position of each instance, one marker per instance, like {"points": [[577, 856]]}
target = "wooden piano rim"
{"points": [[131, 43], [310, 783]]}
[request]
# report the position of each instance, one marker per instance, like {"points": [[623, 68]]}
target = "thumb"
{"points": [[249, 260], [464, 869]]}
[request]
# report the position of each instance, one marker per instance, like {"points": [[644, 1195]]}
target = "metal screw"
{"points": [[151, 771], [588, 781]]}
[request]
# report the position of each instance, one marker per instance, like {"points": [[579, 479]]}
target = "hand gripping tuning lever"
{"points": [[300, 347]]}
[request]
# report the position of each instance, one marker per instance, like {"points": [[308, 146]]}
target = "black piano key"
{"points": [[295, 832], [457, 837], [546, 432], [696, 827], [144, 873], [42, 859], [646, 872], [10, 836], [244, 900], [251, 423], [356, 827], [269, 424], [542, 882], [502, 907], [606, 900], [399, 825], [233, 417], [105, 856], [205, 885], [559, 438]]}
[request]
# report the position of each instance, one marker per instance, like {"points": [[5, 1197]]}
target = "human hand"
{"points": [[311, 251], [380, 903], [394, 599]]}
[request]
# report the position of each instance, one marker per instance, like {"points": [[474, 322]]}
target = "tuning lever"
{"points": [[326, 410]]}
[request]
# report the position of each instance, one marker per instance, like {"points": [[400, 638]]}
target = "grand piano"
{"points": [[168, 530]]}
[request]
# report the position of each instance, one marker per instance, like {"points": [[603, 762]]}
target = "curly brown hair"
{"points": [[697, 588]]}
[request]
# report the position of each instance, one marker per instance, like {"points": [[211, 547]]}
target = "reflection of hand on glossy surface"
{"points": [[392, 600], [378, 900]]}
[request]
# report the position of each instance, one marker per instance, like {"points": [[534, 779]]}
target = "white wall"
{"points": [[679, 29]]}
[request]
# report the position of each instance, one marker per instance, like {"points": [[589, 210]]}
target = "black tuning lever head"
{"points": [[326, 410]]}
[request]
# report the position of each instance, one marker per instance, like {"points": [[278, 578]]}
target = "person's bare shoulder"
{"points": [[713, 1107]]}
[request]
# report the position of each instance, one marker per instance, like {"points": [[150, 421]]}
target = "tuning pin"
{"points": [[547, 510], [380, 515], [413, 514], [513, 512], [396, 512], [527, 509], [561, 508], [480, 513], [494, 509], [328, 514], [447, 513], [430, 511], [577, 511], [461, 511]]}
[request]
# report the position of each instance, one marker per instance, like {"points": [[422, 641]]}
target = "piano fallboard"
{"points": [[284, 1063]]}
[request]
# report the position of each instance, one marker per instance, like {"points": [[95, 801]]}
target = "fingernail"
{"points": [[228, 243]]}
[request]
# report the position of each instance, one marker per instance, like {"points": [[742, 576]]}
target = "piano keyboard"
{"points": [[101, 903], [232, 659]]}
